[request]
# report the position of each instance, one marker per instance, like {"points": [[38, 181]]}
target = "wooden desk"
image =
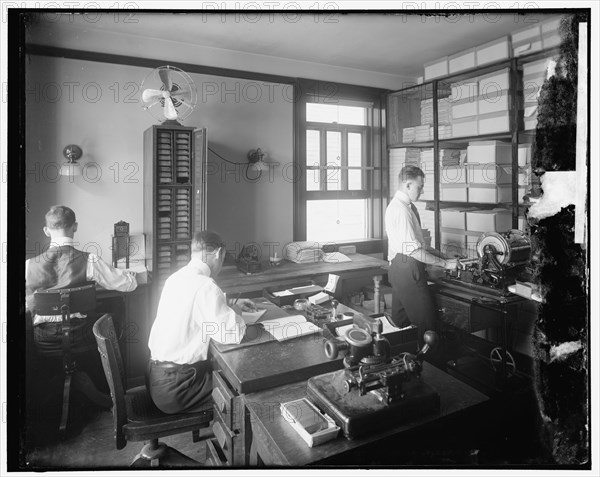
{"points": [[231, 280], [245, 369], [275, 442]]}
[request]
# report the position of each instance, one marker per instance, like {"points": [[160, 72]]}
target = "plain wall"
{"points": [[97, 106]]}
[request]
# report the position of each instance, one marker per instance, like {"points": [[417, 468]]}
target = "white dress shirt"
{"points": [[192, 311], [402, 227], [97, 270]]}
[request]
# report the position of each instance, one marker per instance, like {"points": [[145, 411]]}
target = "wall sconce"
{"points": [[72, 153], [256, 156]]}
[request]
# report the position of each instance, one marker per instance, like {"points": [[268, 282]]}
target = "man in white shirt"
{"points": [[64, 266], [408, 254], [192, 311]]}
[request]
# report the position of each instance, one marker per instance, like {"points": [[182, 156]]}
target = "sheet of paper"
{"points": [[319, 298], [252, 316], [341, 330], [305, 289], [289, 327], [282, 293], [332, 283], [336, 257]]}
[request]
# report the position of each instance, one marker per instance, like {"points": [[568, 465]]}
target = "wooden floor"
{"points": [[90, 444]]}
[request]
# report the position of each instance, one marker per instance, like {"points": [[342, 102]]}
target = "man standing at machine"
{"points": [[412, 302]]}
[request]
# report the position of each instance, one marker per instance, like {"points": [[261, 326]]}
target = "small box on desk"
{"points": [[312, 425], [287, 295]]}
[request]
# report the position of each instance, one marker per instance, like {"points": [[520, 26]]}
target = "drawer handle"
{"points": [[219, 399], [220, 435]]}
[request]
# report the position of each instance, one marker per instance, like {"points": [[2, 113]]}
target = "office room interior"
{"points": [[285, 132]]}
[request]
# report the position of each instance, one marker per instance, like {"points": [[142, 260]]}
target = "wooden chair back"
{"points": [[108, 347]]}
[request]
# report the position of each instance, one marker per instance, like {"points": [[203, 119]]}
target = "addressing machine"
{"points": [[374, 389], [502, 259]]}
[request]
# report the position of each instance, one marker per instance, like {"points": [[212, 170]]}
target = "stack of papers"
{"points": [[303, 252], [387, 327], [289, 327]]}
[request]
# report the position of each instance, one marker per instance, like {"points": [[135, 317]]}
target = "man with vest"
{"points": [[63, 266]]}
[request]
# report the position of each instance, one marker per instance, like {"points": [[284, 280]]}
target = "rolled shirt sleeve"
{"points": [[109, 277], [218, 320]]}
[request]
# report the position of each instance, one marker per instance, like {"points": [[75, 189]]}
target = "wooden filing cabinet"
{"points": [[227, 423]]}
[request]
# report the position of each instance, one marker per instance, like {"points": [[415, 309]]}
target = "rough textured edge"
{"points": [[560, 265]]}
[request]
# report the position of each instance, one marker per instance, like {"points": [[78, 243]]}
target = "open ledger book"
{"points": [[289, 327]]}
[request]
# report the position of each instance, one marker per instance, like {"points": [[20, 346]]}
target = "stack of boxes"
{"points": [[489, 172], [539, 36], [481, 105]]}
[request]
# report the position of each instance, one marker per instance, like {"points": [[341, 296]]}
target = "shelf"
{"points": [[414, 145], [505, 136]]}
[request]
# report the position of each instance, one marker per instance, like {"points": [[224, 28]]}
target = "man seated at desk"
{"points": [[63, 266], [191, 311]]}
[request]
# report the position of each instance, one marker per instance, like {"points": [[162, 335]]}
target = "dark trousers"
{"points": [[412, 301], [179, 388]]}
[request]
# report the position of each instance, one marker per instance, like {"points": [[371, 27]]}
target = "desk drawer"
{"points": [[229, 441], [214, 456], [467, 316], [224, 399], [455, 312]]}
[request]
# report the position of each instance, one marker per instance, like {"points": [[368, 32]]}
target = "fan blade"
{"points": [[165, 77], [169, 109], [151, 94], [181, 92]]}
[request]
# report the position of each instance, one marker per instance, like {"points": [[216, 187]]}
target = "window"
{"points": [[340, 190]]}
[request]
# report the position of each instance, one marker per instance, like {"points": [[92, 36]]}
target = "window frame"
{"points": [[334, 93]]}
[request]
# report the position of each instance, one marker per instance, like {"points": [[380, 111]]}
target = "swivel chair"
{"points": [[70, 341], [135, 417]]}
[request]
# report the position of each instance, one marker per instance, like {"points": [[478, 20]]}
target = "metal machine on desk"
{"points": [[375, 389], [503, 258]]}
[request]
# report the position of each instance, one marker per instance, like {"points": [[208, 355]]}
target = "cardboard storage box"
{"points": [[453, 241], [492, 123], [468, 89], [490, 173], [437, 68], [526, 40], [465, 127], [523, 191], [453, 192], [462, 61], [493, 51], [463, 108], [496, 220], [453, 174], [494, 102], [551, 33], [490, 194], [485, 152], [494, 82], [536, 68], [524, 154], [454, 218]]}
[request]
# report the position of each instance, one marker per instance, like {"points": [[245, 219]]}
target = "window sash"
{"points": [[324, 167]]}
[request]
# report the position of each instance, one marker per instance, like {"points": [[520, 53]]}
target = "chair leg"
{"points": [[65, 406], [83, 383]]}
